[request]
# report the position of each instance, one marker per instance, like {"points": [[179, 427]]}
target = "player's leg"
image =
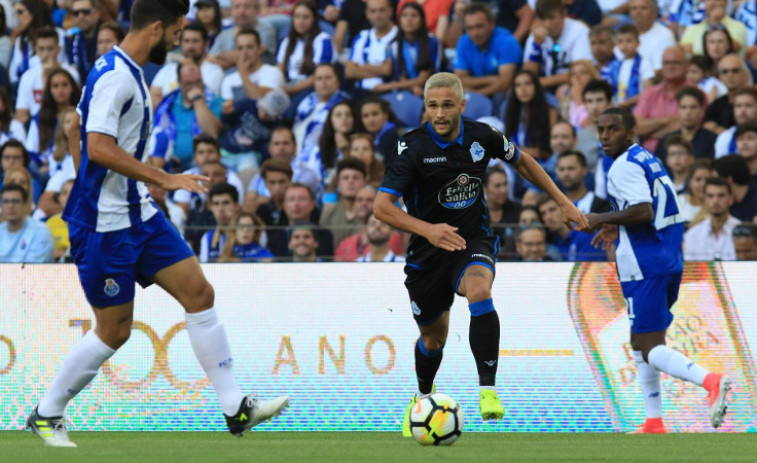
{"points": [[105, 264], [430, 299], [483, 336], [651, 317], [651, 390], [185, 281]]}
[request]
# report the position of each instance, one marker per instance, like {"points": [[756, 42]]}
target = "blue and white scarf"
{"points": [[315, 124], [164, 127], [634, 88]]}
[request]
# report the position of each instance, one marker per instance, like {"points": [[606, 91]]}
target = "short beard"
{"points": [[159, 53], [378, 241]]}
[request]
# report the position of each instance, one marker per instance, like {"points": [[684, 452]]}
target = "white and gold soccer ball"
{"points": [[436, 420]]}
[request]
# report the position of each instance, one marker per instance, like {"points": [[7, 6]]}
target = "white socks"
{"points": [[78, 369], [676, 364], [211, 347], [649, 378]]}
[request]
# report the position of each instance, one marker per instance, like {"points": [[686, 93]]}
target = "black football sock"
{"points": [[484, 340], [426, 365]]}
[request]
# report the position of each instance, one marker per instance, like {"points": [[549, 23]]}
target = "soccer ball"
{"points": [[436, 420]]}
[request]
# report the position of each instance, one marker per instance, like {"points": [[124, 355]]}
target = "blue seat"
{"points": [[406, 106], [477, 105]]}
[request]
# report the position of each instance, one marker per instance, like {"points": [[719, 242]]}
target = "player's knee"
{"points": [[201, 298], [433, 342], [115, 335], [478, 292]]}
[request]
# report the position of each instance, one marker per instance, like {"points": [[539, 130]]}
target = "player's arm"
{"points": [[103, 150], [74, 141], [634, 215], [529, 169], [440, 235]]}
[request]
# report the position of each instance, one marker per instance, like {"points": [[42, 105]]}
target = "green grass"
{"points": [[117, 447]]}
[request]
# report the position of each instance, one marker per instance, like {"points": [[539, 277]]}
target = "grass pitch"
{"points": [[331, 447]]}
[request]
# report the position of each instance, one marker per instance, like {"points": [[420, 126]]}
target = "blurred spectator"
{"points": [[654, 38], [378, 250], [300, 209], [352, 19], [691, 106], [633, 73], [692, 200], [562, 135], [206, 151], [208, 15], [57, 226], [528, 117], [378, 119], [32, 16], [243, 243], [487, 55], [711, 239], [601, 39], [340, 216], [305, 47], [735, 169], [108, 35], [572, 171], [31, 87], [283, 147], [22, 239], [6, 45], [747, 14], [334, 141], [531, 244], [260, 79], [194, 46], [529, 215], [657, 111], [13, 155], [201, 218], [173, 211], [21, 176], [715, 17], [276, 175], [678, 161], [361, 148], [502, 210], [716, 43], [10, 128], [61, 92], [746, 146], [572, 108], [182, 115], [313, 110], [597, 97], [224, 202], [516, 16], [369, 48], [574, 246], [586, 11], [60, 166], [414, 55], [701, 72], [356, 245], [555, 42], [744, 112], [744, 238], [303, 244], [81, 43], [734, 75], [435, 14], [225, 50]]}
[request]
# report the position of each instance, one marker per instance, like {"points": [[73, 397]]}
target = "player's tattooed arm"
{"points": [[441, 235], [634, 215]]}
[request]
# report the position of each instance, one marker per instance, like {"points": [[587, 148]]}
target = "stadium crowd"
{"points": [[293, 110]]}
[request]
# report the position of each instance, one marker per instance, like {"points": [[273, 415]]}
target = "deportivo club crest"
{"points": [[111, 287], [477, 151], [461, 192]]}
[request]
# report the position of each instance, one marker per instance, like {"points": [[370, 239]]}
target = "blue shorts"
{"points": [[110, 263], [649, 302]]}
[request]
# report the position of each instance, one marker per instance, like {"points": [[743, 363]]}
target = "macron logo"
{"points": [[434, 160], [688, 367], [226, 363], [654, 394], [490, 363]]}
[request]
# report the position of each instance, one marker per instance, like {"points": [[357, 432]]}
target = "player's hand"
{"points": [[187, 182], [606, 237], [445, 237], [573, 218]]}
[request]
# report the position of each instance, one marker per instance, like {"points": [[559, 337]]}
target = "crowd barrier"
{"points": [[339, 338]]}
